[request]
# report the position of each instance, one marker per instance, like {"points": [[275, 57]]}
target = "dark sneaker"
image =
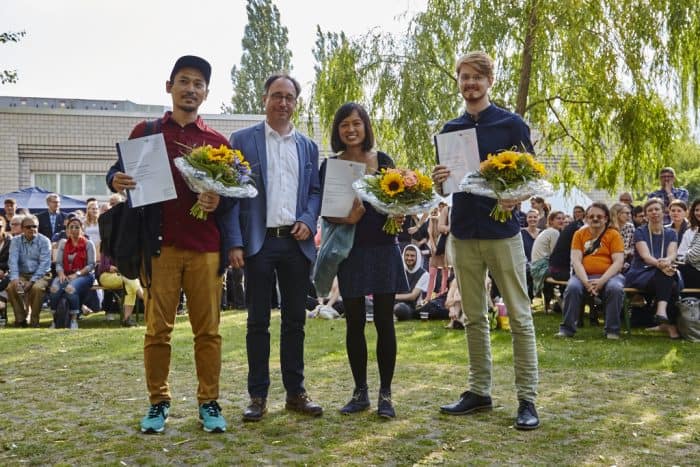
{"points": [[154, 421], [358, 403], [302, 403], [527, 416], [211, 418], [385, 408], [468, 402]]}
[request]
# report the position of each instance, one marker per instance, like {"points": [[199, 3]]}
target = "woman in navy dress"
{"points": [[373, 267], [653, 269]]}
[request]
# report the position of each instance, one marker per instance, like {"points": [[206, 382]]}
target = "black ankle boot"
{"points": [[385, 408], [358, 403]]}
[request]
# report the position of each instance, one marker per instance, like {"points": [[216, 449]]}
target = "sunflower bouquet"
{"points": [[397, 192], [507, 175], [222, 170]]}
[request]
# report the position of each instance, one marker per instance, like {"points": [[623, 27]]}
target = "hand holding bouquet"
{"points": [[508, 175], [222, 170], [397, 192]]}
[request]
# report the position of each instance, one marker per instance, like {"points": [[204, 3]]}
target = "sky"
{"points": [[125, 49]]}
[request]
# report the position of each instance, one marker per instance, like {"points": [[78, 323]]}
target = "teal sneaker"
{"points": [[154, 421], [211, 418]]}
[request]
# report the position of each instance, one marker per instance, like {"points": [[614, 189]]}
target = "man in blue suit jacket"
{"points": [[52, 220], [276, 234]]}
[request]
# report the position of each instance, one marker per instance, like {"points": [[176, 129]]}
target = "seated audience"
{"points": [[653, 269], [453, 303], [5, 240], [406, 303], [10, 211], [538, 204], [541, 251], [668, 192], [529, 234], [597, 256], [678, 212], [638, 218], [689, 249], [75, 265], [16, 224], [438, 231], [437, 307], [30, 272], [109, 278], [620, 214], [626, 198]]}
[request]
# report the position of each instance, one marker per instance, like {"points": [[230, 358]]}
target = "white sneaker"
{"points": [[612, 336], [74, 324]]}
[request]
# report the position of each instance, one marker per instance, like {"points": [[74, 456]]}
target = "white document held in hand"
{"points": [[459, 152], [338, 195], [145, 159]]}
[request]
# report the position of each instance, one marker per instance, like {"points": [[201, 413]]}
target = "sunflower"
{"points": [[392, 183], [508, 160], [424, 182], [493, 162]]}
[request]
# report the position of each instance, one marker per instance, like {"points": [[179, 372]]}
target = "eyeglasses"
{"points": [[74, 227], [277, 97], [466, 77], [30, 226]]}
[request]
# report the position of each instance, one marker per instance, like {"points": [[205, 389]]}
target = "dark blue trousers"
{"points": [[283, 256]]}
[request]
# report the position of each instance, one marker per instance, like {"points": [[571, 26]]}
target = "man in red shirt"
{"points": [[597, 257], [182, 252]]}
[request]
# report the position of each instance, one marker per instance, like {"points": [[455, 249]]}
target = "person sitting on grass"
{"points": [[653, 269], [597, 256], [405, 306], [75, 263]]}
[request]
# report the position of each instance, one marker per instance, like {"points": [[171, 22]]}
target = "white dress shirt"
{"points": [[282, 177]]}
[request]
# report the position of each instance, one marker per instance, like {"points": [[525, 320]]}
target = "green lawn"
{"points": [[75, 398]]}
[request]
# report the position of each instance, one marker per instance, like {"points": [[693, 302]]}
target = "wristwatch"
{"points": [[77, 273]]}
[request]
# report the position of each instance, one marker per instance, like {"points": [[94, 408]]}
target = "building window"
{"points": [[46, 181], [78, 185], [96, 185]]}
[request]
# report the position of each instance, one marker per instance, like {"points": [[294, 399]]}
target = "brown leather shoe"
{"points": [[255, 411], [302, 403]]}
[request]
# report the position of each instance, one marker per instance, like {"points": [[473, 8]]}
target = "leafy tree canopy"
{"points": [[264, 52], [609, 87]]}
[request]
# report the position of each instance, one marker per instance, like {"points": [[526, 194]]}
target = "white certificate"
{"points": [[145, 159], [459, 152], [338, 195]]}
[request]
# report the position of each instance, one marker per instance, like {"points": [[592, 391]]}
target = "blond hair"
{"points": [[479, 60]]}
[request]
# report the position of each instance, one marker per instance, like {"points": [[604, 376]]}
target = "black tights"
{"points": [[356, 343]]}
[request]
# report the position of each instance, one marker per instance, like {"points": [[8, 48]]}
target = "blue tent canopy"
{"points": [[34, 199]]}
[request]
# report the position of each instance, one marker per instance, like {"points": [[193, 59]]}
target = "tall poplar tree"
{"points": [[608, 85], [9, 76], [264, 52]]}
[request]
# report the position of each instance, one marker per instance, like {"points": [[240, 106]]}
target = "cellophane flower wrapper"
{"points": [[477, 185], [393, 209], [199, 181]]}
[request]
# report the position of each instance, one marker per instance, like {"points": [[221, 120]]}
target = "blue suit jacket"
{"points": [[251, 230]]}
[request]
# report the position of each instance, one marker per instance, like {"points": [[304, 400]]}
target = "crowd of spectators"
{"points": [[56, 255]]}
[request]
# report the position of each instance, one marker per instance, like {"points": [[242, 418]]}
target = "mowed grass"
{"points": [[75, 398]]}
